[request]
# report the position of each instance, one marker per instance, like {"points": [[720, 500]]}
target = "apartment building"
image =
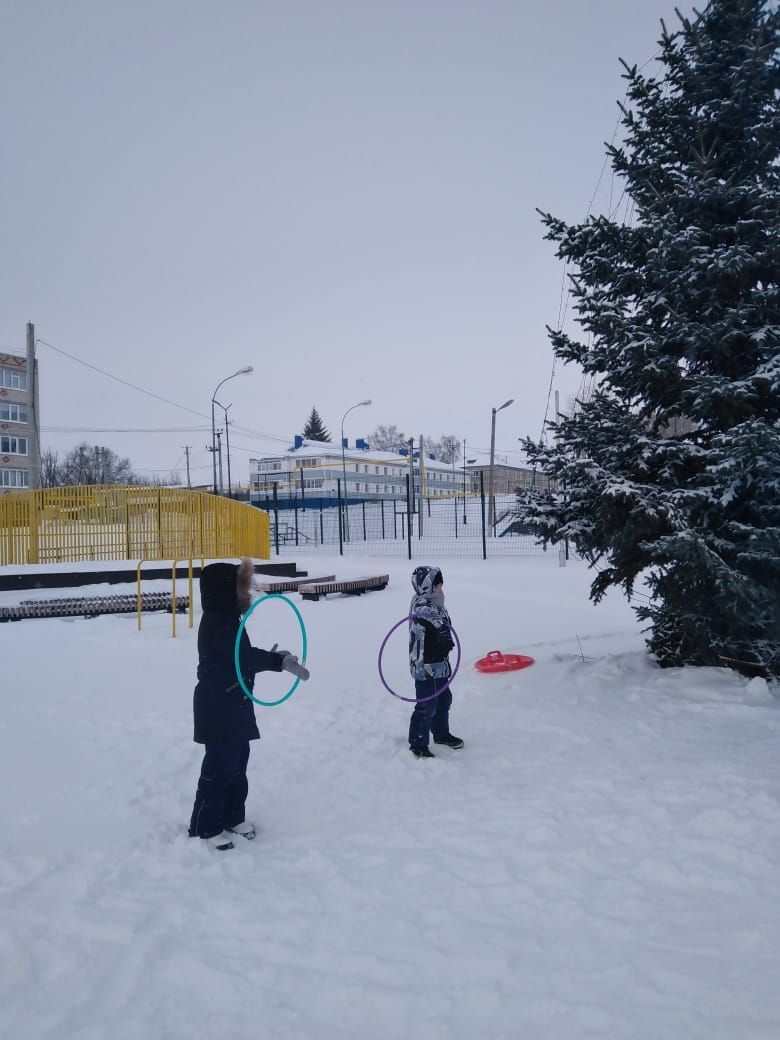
{"points": [[19, 456]]}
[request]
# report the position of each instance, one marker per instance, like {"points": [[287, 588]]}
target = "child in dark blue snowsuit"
{"points": [[224, 715], [430, 642]]}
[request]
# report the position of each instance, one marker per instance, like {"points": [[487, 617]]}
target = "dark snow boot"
{"points": [[422, 752], [449, 741]]}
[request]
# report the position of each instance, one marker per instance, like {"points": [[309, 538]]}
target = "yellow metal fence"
{"points": [[112, 522]]}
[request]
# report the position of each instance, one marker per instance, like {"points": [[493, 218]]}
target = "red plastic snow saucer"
{"points": [[498, 662]]}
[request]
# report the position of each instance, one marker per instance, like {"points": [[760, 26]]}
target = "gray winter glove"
{"points": [[290, 663]]}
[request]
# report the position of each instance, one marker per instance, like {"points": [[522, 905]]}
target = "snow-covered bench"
{"points": [[291, 584], [92, 606], [353, 587]]}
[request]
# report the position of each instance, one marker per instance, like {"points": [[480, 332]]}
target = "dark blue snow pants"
{"points": [[431, 716], [222, 789]]}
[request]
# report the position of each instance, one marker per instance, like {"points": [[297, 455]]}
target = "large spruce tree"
{"points": [[671, 471], [315, 430]]}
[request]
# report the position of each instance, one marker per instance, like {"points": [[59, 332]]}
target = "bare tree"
{"points": [[95, 464], [448, 448], [387, 438], [390, 438], [50, 469]]}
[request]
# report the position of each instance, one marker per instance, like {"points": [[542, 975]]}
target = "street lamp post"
{"points": [[491, 500], [360, 404], [227, 444], [241, 372]]}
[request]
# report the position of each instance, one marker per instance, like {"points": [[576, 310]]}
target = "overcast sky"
{"points": [[341, 193]]}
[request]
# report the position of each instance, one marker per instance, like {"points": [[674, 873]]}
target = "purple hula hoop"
{"points": [[415, 700]]}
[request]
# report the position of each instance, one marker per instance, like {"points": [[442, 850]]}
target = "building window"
{"points": [[13, 445], [15, 478], [385, 471], [13, 380], [13, 412]]}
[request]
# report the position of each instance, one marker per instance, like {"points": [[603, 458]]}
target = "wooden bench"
{"points": [[291, 584], [353, 587]]}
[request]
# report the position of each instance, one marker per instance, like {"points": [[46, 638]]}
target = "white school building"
{"points": [[314, 468]]}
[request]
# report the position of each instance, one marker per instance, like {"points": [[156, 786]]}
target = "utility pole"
{"points": [[213, 449], [411, 470], [464, 480], [227, 445], [219, 450], [33, 442], [491, 499], [454, 492], [187, 453], [422, 484]]}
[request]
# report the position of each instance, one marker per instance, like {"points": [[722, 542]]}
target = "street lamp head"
{"points": [[245, 370], [506, 404], [350, 409]]}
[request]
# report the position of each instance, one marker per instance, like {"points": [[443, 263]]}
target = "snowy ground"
{"points": [[600, 861]]}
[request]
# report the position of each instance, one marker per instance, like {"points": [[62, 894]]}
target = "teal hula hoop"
{"points": [[244, 619]]}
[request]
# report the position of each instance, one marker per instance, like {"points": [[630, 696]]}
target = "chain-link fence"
{"points": [[408, 527]]}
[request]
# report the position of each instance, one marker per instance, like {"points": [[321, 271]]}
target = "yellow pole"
{"points": [[173, 600], [190, 588], [32, 504], [138, 592]]}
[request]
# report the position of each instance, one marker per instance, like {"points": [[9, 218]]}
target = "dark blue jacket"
{"points": [[223, 713]]}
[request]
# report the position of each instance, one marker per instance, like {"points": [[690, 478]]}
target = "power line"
{"points": [[124, 429], [176, 463], [260, 434], [124, 382], [563, 303], [146, 469]]}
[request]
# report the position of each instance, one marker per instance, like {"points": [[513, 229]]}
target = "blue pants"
{"points": [[432, 716], [222, 789]]}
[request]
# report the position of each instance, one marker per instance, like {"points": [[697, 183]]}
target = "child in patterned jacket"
{"points": [[430, 642]]}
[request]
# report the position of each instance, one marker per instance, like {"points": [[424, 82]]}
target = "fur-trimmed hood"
{"points": [[227, 587]]}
